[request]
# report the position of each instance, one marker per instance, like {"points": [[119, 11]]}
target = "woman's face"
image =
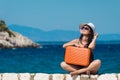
{"points": [[85, 30]]}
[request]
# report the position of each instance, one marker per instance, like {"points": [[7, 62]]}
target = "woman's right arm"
{"points": [[71, 43]]}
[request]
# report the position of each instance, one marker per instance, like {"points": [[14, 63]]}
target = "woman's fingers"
{"points": [[95, 35]]}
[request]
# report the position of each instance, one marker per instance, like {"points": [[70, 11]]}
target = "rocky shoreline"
{"points": [[19, 41]]}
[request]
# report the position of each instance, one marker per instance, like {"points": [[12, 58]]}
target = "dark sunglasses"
{"points": [[86, 28]]}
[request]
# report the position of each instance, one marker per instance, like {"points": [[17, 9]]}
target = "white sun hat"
{"points": [[90, 25]]}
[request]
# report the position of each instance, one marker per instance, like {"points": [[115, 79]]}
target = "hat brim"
{"points": [[84, 24], [81, 25]]}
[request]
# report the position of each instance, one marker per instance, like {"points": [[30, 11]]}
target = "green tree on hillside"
{"points": [[3, 27]]}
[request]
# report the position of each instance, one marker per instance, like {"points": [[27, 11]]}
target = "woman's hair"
{"points": [[90, 37]]}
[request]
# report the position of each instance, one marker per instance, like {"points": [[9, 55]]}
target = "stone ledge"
{"points": [[57, 76]]}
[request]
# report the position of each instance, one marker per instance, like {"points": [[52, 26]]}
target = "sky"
{"points": [[63, 14]]}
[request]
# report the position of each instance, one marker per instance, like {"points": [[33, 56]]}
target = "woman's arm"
{"points": [[73, 42], [93, 43]]}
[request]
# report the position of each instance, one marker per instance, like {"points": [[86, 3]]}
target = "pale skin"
{"points": [[93, 66]]}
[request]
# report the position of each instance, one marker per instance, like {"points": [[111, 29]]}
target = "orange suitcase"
{"points": [[77, 56]]}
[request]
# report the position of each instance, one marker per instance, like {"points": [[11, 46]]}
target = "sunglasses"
{"points": [[86, 28]]}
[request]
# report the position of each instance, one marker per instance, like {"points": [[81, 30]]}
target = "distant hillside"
{"points": [[55, 35], [40, 35]]}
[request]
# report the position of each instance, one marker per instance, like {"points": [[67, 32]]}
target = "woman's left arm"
{"points": [[93, 43]]}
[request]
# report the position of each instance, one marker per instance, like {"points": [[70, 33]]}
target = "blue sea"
{"points": [[47, 59]]}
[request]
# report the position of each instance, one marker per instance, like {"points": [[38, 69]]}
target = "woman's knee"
{"points": [[94, 64], [98, 61], [63, 64]]}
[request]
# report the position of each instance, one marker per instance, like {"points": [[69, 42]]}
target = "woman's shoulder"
{"points": [[75, 40]]}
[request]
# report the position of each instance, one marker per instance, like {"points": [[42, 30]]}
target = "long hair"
{"points": [[90, 37]]}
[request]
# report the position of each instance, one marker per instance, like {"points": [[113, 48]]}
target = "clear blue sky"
{"points": [[62, 14]]}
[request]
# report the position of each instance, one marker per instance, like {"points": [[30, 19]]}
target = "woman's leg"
{"points": [[93, 68], [69, 67]]}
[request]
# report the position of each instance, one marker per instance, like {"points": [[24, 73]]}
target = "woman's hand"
{"points": [[76, 45], [92, 44], [95, 35]]}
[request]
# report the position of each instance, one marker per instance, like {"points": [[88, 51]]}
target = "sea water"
{"points": [[47, 59]]}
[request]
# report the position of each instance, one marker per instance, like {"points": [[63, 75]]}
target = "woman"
{"points": [[88, 40]]}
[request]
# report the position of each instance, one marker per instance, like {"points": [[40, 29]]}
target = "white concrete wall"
{"points": [[44, 76]]}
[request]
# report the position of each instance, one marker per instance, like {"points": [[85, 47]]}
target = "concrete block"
{"points": [[68, 77], [118, 76], [107, 77], [41, 76], [93, 77], [24, 76], [84, 77], [0, 76], [32, 76], [58, 77], [10, 76]]}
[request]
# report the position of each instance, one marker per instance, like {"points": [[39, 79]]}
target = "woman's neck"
{"points": [[85, 39]]}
